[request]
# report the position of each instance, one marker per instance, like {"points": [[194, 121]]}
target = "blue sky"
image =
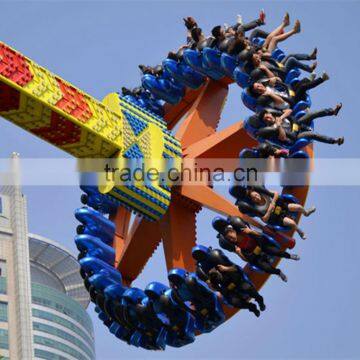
{"points": [[98, 45]]}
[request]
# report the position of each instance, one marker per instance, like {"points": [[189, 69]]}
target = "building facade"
{"points": [[42, 298]]}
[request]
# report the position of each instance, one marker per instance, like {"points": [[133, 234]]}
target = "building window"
{"points": [[65, 323], [59, 346], [1, 206], [42, 354], [3, 268], [53, 299], [2, 285], [4, 339], [63, 335], [3, 311]]}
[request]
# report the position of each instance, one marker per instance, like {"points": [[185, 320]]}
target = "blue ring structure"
{"points": [[160, 315]]}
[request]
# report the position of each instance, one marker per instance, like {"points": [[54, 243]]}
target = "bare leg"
{"points": [[292, 224], [278, 30], [300, 209], [279, 38]]}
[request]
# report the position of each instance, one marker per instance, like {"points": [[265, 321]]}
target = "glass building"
{"points": [[42, 298]]}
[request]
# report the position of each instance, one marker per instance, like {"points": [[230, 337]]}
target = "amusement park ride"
{"points": [[114, 247]]}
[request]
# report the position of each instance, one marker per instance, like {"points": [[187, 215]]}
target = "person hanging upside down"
{"points": [[285, 128], [270, 206]]}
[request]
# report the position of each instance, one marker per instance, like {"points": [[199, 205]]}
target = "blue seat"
{"points": [[113, 295], [100, 281], [248, 153], [269, 240], [258, 41], [93, 198], [183, 73], [199, 249], [133, 295], [180, 323], [151, 104], [292, 75], [300, 114], [119, 331], [130, 297], [298, 146], [302, 105], [241, 78], [195, 60], [163, 88], [257, 270], [93, 246], [102, 316], [155, 289], [252, 124], [146, 101], [133, 99], [190, 289], [114, 291], [254, 153], [219, 223], [91, 265], [115, 327], [212, 59], [96, 224], [149, 334], [228, 64], [248, 100], [278, 55], [300, 154]]}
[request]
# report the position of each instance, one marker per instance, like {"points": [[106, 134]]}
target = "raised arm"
{"points": [[268, 73], [286, 113], [278, 100]]}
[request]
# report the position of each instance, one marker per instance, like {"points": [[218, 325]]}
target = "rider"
{"points": [[240, 26], [152, 70], [190, 24], [205, 303], [268, 96], [264, 150], [277, 35], [178, 318], [284, 127], [235, 235], [232, 39], [262, 65], [268, 205], [230, 280]]}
